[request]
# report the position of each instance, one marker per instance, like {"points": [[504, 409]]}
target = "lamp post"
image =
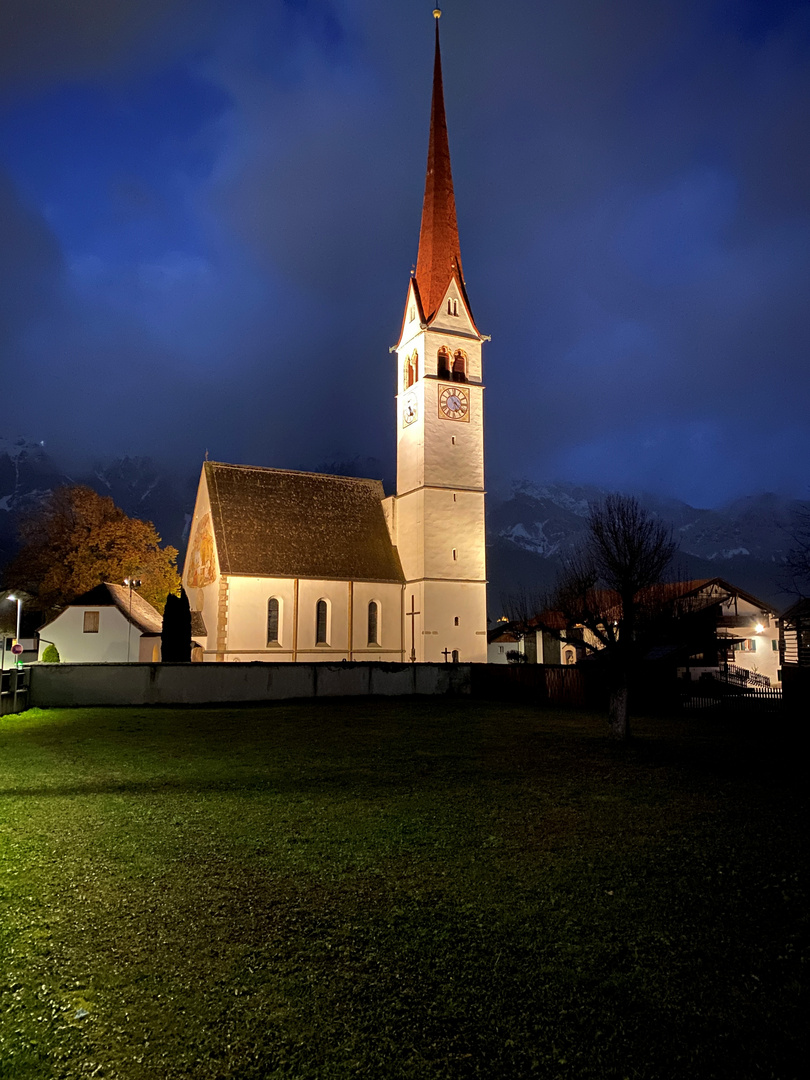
{"points": [[134, 583], [19, 620]]}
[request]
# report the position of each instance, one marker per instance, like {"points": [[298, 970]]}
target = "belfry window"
{"points": [[459, 366], [321, 613], [452, 307], [411, 370], [373, 635], [443, 365], [272, 620]]}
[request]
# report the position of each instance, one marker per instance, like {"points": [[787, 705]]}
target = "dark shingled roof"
{"points": [[134, 608], [278, 523]]}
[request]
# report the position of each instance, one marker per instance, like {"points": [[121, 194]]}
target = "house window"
{"points": [[272, 620], [372, 624], [443, 363], [749, 645], [774, 645], [459, 366], [91, 622], [320, 623], [500, 648]]}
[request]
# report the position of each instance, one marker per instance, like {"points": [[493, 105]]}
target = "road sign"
{"points": [[17, 649]]}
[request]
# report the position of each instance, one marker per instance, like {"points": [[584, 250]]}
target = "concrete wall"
{"points": [[66, 685]]}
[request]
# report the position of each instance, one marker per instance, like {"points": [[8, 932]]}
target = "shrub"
{"points": [[51, 655]]}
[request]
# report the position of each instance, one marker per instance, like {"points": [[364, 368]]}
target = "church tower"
{"points": [[438, 511]]}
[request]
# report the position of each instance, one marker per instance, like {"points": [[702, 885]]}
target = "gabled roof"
{"points": [[439, 256], [703, 592], [702, 584], [798, 612], [279, 523], [141, 613]]}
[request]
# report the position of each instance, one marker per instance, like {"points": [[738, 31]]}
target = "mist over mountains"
{"points": [[528, 530]]}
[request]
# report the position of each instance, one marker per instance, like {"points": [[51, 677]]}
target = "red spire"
{"points": [[439, 254]]}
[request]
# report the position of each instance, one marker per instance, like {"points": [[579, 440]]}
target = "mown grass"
{"points": [[420, 889]]}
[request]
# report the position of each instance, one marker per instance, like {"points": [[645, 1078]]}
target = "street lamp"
{"points": [[134, 583], [19, 619]]}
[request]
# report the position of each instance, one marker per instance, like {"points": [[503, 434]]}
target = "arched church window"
{"points": [[373, 634], [459, 366], [273, 608], [321, 612], [443, 365]]}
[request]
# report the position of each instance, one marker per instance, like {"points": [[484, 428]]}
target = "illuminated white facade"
{"points": [[299, 567]]}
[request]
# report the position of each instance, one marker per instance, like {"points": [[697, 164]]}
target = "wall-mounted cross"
{"points": [[412, 616]]}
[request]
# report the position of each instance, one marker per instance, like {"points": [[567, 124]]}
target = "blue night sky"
{"points": [[209, 211]]}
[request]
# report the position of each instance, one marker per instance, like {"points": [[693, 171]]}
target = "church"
{"points": [[292, 566]]}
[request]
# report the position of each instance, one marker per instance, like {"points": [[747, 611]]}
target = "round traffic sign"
{"points": [[17, 648]]}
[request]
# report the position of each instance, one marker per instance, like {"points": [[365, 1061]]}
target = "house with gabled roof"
{"points": [[109, 624], [711, 628]]}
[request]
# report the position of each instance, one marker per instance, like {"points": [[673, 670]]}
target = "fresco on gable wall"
{"points": [[202, 565]]}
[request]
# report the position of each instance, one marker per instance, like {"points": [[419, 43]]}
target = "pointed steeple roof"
{"points": [[439, 257]]}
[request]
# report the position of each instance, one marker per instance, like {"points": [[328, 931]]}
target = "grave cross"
{"points": [[446, 655]]}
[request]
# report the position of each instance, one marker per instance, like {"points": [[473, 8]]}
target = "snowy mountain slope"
{"points": [[745, 541]]}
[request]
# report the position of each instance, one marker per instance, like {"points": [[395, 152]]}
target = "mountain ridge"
{"points": [[530, 528]]}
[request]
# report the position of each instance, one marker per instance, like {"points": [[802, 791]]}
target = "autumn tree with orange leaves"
{"points": [[77, 539]]}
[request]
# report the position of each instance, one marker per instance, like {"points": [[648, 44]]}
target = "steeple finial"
{"points": [[439, 255]]}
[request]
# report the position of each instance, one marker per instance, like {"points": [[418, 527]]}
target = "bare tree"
{"points": [[606, 601]]}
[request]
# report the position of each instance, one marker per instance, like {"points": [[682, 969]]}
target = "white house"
{"points": [[106, 625]]}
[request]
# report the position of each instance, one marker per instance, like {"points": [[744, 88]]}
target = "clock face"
{"points": [[409, 410], [453, 403]]}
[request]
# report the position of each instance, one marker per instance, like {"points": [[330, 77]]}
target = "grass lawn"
{"points": [[403, 889]]}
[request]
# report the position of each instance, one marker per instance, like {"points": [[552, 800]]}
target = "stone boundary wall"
{"points": [[54, 686]]}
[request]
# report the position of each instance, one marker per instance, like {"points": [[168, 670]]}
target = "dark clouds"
{"points": [[214, 209]]}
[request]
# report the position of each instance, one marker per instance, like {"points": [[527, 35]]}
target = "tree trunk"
{"points": [[617, 713]]}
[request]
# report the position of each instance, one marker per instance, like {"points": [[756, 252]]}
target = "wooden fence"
{"points": [[14, 685], [722, 699], [552, 683]]}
